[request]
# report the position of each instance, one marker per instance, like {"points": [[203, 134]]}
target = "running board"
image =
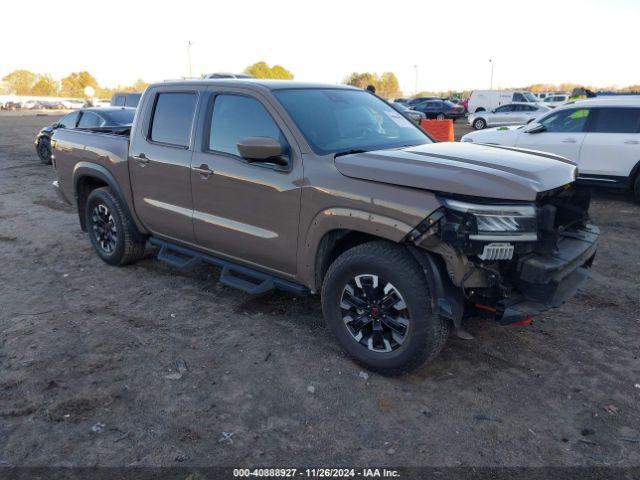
{"points": [[233, 275]]}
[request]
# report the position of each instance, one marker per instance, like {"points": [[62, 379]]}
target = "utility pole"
{"points": [[189, 57], [492, 63], [415, 90]]}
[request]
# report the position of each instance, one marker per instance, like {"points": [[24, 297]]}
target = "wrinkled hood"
{"points": [[489, 171]]}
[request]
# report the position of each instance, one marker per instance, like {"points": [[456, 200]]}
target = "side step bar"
{"points": [[233, 275]]}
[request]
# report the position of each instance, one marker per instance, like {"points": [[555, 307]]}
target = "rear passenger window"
{"points": [[236, 117], [172, 118], [119, 101], [617, 120]]}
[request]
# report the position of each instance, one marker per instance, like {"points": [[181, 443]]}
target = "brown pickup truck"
{"points": [[327, 189]]}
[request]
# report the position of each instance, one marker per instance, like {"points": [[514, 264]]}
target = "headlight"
{"points": [[495, 222]]}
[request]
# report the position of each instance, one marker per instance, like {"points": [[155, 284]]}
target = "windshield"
{"points": [[336, 120], [120, 117], [530, 97]]}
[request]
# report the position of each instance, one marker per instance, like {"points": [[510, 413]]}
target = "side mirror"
{"points": [[262, 149], [534, 127]]}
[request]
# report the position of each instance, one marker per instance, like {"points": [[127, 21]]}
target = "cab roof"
{"points": [[251, 83]]}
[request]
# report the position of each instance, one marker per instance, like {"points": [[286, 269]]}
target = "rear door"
{"points": [[612, 144], [242, 210], [160, 162], [563, 135]]}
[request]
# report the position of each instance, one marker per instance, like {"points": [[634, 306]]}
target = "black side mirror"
{"points": [[534, 127], [262, 150]]}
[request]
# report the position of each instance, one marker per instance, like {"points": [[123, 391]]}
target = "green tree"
{"points": [[74, 84], [20, 82], [45, 86], [262, 70], [388, 85]]}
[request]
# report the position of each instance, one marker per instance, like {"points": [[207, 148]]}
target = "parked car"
{"points": [[509, 114], [84, 118], [327, 189], [464, 104], [403, 101], [553, 101], [72, 104], [601, 136], [413, 115], [439, 109], [417, 100], [487, 100], [125, 100], [220, 75]]}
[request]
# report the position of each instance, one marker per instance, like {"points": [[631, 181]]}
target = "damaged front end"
{"points": [[508, 260]]}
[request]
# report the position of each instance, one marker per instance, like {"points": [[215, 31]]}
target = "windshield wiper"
{"points": [[349, 152]]}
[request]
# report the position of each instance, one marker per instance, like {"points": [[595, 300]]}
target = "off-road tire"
{"points": [[44, 150], [479, 123], [427, 332], [126, 249]]}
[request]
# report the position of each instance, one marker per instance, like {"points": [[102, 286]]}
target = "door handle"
{"points": [[141, 159], [631, 142], [203, 170], [569, 140]]}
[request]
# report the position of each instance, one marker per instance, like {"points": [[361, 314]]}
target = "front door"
{"points": [[242, 210], [612, 145], [563, 134], [160, 164]]}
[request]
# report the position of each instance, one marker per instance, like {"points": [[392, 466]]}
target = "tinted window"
{"points": [[568, 121], [90, 120], [132, 99], [518, 97], [338, 120], [503, 109], [236, 117], [118, 101], [172, 118], [70, 120], [120, 117], [617, 120]]}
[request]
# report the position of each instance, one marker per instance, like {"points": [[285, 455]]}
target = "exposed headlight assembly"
{"points": [[495, 222]]}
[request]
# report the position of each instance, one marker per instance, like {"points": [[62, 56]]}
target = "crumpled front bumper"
{"points": [[547, 281]]}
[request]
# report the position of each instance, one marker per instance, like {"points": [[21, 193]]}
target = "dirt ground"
{"points": [[149, 365]]}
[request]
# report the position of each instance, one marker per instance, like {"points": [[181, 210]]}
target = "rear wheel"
{"points": [[44, 150], [479, 123], [110, 229], [375, 300]]}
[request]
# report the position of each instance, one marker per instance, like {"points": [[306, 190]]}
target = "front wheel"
{"points": [[44, 150], [479, 123], [110, 229], [376, 301], [636, 189]]}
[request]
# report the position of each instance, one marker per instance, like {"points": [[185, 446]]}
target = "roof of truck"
{"points": [[251, 83]]}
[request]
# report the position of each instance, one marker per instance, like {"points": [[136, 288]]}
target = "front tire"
{"points": [[479, 123], [376, 301], [110, 229], [44, 150]]}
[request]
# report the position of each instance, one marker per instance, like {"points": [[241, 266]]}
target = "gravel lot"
{"points": [[148, 365]]}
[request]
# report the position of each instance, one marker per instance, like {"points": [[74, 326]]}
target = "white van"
{"points": [[488, 100]]}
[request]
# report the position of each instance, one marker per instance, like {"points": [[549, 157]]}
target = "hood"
{"points": [[488, 171]]}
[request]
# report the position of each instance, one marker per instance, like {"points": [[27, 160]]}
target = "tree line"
{"points": [[25, 82]]}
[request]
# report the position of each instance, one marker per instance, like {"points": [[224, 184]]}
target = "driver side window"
{"points": [[69, 121], [566, 121]]}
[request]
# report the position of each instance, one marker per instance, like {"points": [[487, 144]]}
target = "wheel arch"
{"points": [[89, 176], [335, 230]]}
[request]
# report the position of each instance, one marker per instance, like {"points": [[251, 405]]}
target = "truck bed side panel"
{"points": [[77, 151]]}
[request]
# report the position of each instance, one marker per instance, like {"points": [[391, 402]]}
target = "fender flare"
{"points": [[333, 219], [87, 169]]}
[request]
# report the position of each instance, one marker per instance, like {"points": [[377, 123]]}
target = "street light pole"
{"points": [[415, 90], [492, 63], [189, 57]]}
